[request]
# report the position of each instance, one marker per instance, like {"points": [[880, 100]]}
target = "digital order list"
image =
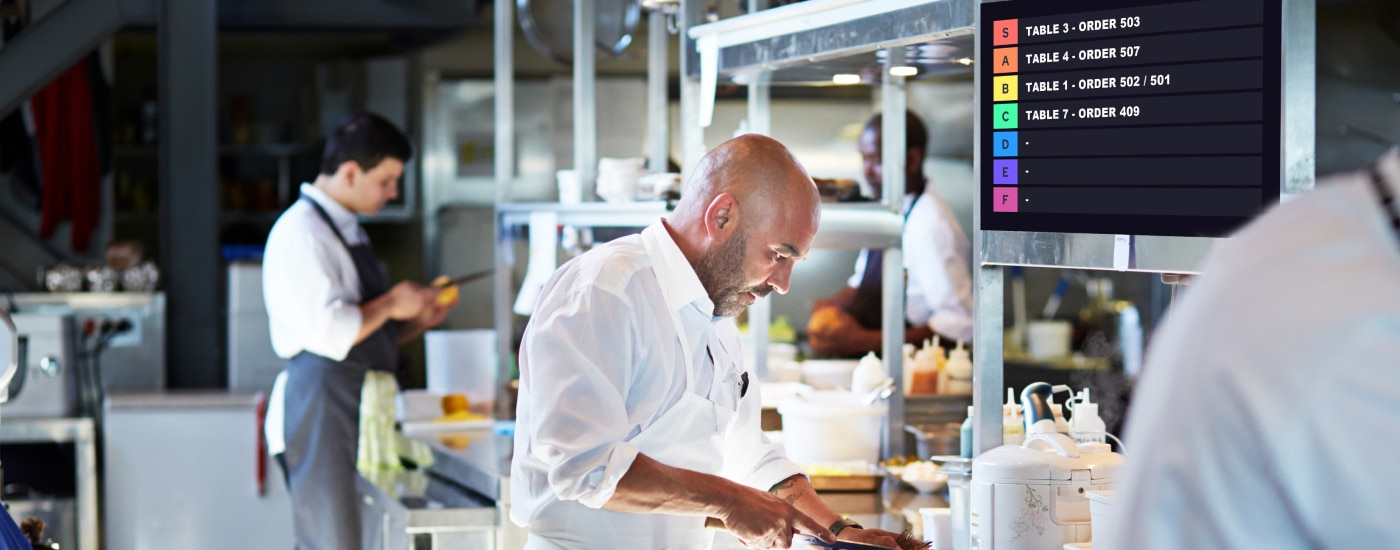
{"points": [[1147, 119]]}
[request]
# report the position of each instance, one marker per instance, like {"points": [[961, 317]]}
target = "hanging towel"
{"points": [[64, 131]]}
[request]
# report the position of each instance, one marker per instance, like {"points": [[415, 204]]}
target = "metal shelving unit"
{"points": [[882, 41]]}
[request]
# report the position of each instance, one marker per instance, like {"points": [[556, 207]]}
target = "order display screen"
{"points": [[1129, 117]]}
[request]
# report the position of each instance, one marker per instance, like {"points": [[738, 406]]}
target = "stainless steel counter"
{"points": [[413, 509], [480, 460], [895, 507]]}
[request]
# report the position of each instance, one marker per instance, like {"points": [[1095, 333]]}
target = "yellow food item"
{"points": [[447, 295], [455, 402], [823, 320], [449, 291], [460, 416], [456, 442], [898, 460], [823, 470]]}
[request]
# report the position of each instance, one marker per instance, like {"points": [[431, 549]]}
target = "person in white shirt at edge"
{"points": [[1268, 411], [937, 256], [333, 315], [636, 418]]}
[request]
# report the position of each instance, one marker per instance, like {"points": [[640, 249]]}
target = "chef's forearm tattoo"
{"points": [[784, 485]]}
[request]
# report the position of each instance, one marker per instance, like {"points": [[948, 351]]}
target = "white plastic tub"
{"points": [[831, 426], [1100, 513]]}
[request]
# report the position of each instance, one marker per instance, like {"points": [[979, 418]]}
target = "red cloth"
{"points": [[72, 175]]}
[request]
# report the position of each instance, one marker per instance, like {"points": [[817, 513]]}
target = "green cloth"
{"points": [[378, 446]]}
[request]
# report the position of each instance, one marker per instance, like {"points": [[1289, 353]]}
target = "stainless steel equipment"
{"points": [[49, 373], [134, 359]]}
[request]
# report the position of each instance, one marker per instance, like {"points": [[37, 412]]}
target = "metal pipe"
{"points": [[658, 113], [585, 99], [504, 72], [893, 160]]}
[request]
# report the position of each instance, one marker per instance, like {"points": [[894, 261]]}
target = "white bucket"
{"points": [[831, 426], [463, 361]]}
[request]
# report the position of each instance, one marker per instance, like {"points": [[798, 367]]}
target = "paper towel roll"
{"points": [[463, 361]]}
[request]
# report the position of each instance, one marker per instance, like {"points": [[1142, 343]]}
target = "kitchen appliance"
{"points": [[1032, 496], [50, 370], [133, 359]]}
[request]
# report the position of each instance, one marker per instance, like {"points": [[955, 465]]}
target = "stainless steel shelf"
{"points": [[845, 226], [808, 42]]}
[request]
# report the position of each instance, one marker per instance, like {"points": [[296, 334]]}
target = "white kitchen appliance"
{"points": [[1032, 496]]}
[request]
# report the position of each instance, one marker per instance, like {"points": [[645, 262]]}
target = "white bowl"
{"points": [[926, 485]]}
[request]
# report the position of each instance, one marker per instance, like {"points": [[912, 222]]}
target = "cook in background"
{"points": [[1269, 404], [636, 418], [938, 288], [333, 314]]}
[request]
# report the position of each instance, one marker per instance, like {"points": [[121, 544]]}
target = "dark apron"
{"points": [[322, 420], [868, 304]]}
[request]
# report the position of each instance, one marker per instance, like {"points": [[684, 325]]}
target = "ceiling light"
{"points": [[965, 61], [845, 79], [904, 71]]}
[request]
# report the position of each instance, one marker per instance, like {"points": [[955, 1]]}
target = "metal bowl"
{"points": [[549, 26]]}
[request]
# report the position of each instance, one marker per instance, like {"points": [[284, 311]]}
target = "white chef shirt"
{"points": [[937, 257], [1268, 412], [310, 285], [311, 290], [602, 359]]}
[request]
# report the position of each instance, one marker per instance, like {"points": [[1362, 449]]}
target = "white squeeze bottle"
{"points": [[958, 368], [1013, 429], [869, 374], [1085, 425]]}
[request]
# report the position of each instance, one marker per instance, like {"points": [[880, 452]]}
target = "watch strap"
{"points": [[843, 523]]}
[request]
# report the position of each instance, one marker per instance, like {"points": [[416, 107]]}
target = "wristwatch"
{"points": [[843, 523]]}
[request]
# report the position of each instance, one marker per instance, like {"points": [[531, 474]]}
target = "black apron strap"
{"points": [[868, 303]]}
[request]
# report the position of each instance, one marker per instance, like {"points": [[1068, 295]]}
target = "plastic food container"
{"points": [[831, 426]]}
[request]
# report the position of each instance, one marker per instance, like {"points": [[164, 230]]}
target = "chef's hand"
{"points": [[765, 521], [408, 300], [437, 311], [829, 330], [880, 537]]}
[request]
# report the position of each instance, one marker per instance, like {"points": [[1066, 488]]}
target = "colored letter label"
{"points": [[1004, 172], [1004, 32], [1004, 88], [1004, 199], [1004, 60], [1005, 116], [1004, 144]]}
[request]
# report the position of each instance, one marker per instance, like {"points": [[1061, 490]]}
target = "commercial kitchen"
{"points": [[1091, 165]]}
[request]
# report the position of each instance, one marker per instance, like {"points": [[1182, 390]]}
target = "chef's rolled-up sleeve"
{"points": [[580, 351]]}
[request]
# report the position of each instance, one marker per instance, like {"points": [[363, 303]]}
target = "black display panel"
{"points": [[1129, 117]]}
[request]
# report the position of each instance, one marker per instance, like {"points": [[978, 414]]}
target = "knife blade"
{"points": [[463, 279]]}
